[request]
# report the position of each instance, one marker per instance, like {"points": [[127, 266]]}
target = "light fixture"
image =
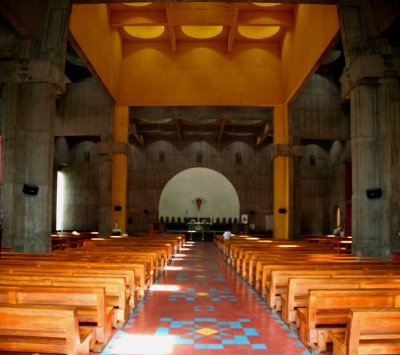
{"points": [[258, 32], [202, 32], [145, 32], [267, 4], [137, 4]]}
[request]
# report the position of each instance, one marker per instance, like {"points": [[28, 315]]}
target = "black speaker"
{"points": [[374, 193], [30, 189], [117, 208], [282, 210]]}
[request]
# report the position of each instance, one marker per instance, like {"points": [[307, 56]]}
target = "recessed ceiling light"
{"points": [[202, 32], [267, 4], [258, 32], [146, 32], [137, 3]]}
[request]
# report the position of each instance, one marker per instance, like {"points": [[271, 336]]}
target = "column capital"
{"points": [[104, 148], [33, 71], [287, 150], [369, 67]]}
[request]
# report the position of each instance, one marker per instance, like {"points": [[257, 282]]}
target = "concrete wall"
{"points": [[321, 125], [84, 118], [148, 175]]}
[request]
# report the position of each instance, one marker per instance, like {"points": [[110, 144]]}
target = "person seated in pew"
{"points": [[227, 235]]}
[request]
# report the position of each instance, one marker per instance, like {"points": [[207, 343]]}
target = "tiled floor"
{"points": [[200, 306]]}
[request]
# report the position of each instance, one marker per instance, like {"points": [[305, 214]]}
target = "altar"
{"points": [[199, 226]]}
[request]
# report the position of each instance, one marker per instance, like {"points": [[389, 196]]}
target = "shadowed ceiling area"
{"points": [[217, 125]]}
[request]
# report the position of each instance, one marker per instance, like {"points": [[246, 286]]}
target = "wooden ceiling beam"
{"points": [[262, 137], [134, 132], [14, 21], [221, 130]]}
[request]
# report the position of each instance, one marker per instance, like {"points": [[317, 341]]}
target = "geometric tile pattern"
{"points": [[209, 310], [209, 333], [213, 294]]}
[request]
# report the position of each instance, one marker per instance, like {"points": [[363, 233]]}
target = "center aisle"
{"points": [[200, 306]]}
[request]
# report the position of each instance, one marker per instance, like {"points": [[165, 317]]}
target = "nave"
{"points": [[200, 306]]}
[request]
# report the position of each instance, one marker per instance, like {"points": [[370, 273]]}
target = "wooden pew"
{"points": [[115, 289], [42, 329], [279, 278], [363, 266], [369, 331], [141, 269], [327, 310], [298, 288], [90, 303], [247, 268], [61, 270], [88, 255]]}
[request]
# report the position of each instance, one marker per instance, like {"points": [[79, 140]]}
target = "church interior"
{"points": [[134, 134]]}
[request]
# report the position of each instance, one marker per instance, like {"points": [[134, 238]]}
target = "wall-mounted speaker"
{"points": [[117, 208], [374, 193], [282, 210], [30, 189]]}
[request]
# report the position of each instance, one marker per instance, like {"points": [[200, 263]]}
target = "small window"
{"points": [[312, 160], [199, 157]]}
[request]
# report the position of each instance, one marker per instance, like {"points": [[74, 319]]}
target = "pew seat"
{"points": [[90, 303], [42, 329], [328, 309], [369, 331]]}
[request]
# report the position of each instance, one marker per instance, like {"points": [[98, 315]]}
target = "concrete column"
{"points": [[105, 169], [28, 111], [375, 158], [371, 80], [120, 169], [112, 180]]}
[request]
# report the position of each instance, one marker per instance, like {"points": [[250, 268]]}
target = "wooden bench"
{"points": [[42, 329], [298, 288], [279, 281], [363, 267], [141, 269], [127, 274], [279, 278], [327, 310], [369, 331], [90, 303], [115, 289]]}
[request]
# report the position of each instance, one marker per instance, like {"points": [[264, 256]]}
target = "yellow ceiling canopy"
{"points": [[258, 32], [202, 32], [145, 32]]}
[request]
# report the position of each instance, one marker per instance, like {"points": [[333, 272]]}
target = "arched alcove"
{"points": [[219, 198]]}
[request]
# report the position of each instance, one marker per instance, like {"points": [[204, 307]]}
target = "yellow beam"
{"points": [[180, 17], [171, 30], [281, 175], [138, 18], [270, 18], [232, 29], [305, 44], [119, 170]]}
